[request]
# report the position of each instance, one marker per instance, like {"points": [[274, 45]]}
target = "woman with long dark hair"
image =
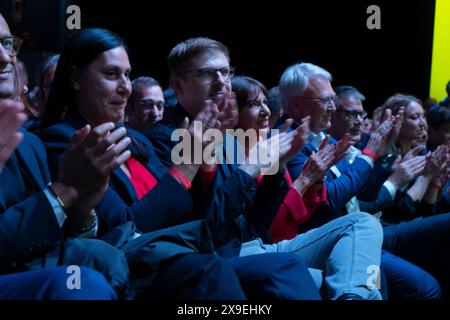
{"points": [[92, 86]]}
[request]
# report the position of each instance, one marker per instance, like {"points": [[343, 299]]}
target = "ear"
{"points": [[75, 79], [176, 84]]}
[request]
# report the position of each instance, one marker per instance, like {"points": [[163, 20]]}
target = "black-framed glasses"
{"points": [[209, 74], [11, 44], [149, 104], [325, 101], [353, 114]]}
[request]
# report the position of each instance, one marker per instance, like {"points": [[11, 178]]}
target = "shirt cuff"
{"points": [[57, 208], [368, 159], [390, 188]]}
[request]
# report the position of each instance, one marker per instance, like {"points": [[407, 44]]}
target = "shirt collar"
{"points": [[316, 139], [352, 153]]}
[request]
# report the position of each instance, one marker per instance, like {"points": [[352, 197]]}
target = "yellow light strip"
{"points": [[440, 65]]}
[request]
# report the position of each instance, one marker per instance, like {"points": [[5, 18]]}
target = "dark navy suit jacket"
{"points": [[28, 226], [154, 211]]}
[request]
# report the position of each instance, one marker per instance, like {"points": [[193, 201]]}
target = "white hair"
{"points": [[295, 79]]}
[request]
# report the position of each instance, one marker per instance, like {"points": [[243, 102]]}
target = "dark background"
{"points": [[263, 37]]}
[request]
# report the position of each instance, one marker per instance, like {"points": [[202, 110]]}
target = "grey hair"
{"points": [[347, 91], [295, 80]]}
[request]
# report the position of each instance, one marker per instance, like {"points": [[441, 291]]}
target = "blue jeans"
{"points": [[348, 249], [51, 284]]}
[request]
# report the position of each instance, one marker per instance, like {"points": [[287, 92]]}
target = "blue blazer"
{"points": [[382, 202], [354, 181], [235, 211], [28, 226], [154, 211]]}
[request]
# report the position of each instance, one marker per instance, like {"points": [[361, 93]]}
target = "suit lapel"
{"points": [[154, 168], [30, 163], [127, 186]]}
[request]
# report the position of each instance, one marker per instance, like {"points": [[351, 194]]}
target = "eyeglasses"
{"points": [[353, 114], [209, 74], [11, 44], [325, 101], [149, 104]]}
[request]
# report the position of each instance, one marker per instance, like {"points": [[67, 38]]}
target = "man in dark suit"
{"points": [[313, 96], [31, 215], [38, 219], [48, 283], [239, 217]]}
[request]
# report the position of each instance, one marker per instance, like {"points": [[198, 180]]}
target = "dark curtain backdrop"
{"points": [[264, 37]]}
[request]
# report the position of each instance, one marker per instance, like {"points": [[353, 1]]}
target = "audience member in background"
{"points": [[377, 117], [429, 103], [170, 97], [307, 191], [306, 91], [405, 280], [275, 106], [425, 239], [21, 94], [366, 131], [367, 125], [44, 76], [146, 104], [438, 134], [438, 127], [446, 101], [421, 193]]}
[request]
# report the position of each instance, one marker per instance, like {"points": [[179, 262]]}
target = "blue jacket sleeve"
{"points": [[27, 221], [27, 229], [339, 189], [381, 203]]}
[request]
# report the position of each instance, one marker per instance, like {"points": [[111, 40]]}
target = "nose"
{"points": [[265, 110], [220, 78], [124, 86], [154, 110], [423, 122]]}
